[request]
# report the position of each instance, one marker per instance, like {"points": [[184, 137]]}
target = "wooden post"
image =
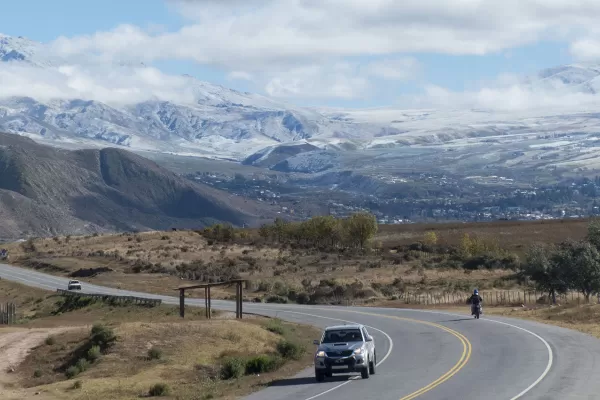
{"points": [[182, 303], [206, 302], [237, 301], [241, 299], [209, 305]]}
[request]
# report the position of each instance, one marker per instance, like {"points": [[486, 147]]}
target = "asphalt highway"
{"points": [[421, 354]]}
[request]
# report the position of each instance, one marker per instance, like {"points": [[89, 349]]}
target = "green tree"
{"points": [[265, 231], [361, 227], [545, 267], [581, 263], [279, 228], [593, 235]]}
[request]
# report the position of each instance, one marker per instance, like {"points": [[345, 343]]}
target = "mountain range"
{"points": [[48, 191], [217, 122]]}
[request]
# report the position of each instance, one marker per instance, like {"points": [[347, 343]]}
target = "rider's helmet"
{"points": [[476, 292]]}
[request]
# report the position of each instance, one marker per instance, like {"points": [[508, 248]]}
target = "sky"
{"points": [[336, 53]]}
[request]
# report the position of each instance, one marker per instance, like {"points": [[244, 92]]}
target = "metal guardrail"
{"points": [[108, 297]]}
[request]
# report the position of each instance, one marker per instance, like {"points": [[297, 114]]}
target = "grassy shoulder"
{"points": [[186, 360], [583, 318], [100, 351]]}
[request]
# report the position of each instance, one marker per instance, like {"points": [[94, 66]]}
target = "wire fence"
{"points": [[491, 298]]}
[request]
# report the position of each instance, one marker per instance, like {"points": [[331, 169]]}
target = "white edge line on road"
{"points": [[550, 357], [342, 320], [550, 353]]}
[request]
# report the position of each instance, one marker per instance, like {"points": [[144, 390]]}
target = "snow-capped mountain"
{"points": [[576, 78], [20, 49], [213, 121], [199, 118]]}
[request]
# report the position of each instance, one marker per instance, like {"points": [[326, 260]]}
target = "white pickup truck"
{"points": [[74, 285]]}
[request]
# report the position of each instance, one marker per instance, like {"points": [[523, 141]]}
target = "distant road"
{"points": [[422, 354]]}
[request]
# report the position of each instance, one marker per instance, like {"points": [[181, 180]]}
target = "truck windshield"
{"points": [[342, 335]]}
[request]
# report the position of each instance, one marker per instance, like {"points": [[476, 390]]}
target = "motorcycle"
{"points": [[476, 310]]}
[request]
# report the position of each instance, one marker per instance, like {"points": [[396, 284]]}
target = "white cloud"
{"points": [[586, 48], [291, 47], [240, 75], [108, 84], [340, 80], [316, 49], [513, 97], [394, 69], [259, 33]]}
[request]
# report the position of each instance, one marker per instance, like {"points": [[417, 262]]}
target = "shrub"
{"points": [[102, 336], [302, 298], [275, 326], [82, 364], [50, 340], [290, 350], [37, 373], [72, 372], [233, 368], [159, 389], [155, 354], [77, 385], [276, 299], [93, 353], [262, 363]]}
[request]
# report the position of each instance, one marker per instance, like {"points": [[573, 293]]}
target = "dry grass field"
{"points": [[510, 235], [153, 347], [159, 262]]}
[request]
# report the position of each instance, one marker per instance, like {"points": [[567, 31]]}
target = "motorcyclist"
{"points": [[475, 300]]}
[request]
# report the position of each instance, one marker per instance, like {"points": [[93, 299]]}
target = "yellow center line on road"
{"points": [[464, 358]]}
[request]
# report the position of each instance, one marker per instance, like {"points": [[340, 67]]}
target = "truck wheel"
{"points": [[365, 373], [319, 376], [372, 365]]}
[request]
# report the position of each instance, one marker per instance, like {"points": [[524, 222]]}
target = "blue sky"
{"points": [[296, 77]]}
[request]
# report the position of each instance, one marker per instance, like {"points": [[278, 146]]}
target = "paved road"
{"points": [[423, 354]]}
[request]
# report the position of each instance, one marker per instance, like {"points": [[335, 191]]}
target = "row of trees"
{"points": [[574, 265], [355, 231]]}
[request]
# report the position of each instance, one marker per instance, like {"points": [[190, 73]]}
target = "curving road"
{"points": [[427, 355]]}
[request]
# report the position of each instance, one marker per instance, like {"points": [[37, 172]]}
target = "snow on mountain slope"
{"points": [[207, 120], [199, 118]]}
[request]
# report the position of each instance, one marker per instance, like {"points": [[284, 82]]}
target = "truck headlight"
{"points": [[320, 353]]}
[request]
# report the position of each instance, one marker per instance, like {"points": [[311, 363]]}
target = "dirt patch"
{"points": [[15, 345]]}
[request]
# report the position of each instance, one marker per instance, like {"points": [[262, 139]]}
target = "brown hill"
{"points": [[49, 191]]}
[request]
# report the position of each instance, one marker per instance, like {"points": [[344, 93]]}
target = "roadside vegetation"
{"points": [[324, 260], [217, 358], [124, 351]]}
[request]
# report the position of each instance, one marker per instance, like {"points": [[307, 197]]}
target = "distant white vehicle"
{"points": [[74, 285]]}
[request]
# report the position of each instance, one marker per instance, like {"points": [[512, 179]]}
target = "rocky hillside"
{"points": [[48, 191]]}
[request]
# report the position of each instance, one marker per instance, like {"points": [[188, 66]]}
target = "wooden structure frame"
{"points": [[239, 296]]}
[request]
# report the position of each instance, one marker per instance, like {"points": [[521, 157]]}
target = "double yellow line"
{"points": [[464, 358]]}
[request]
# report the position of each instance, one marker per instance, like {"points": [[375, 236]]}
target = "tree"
{"points": [[546, 268], [593, 235], [581, 263], [430, 238], [361, 227], [265, 231], [279, 228]]}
